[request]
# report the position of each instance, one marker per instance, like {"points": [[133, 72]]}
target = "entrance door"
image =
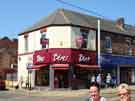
{"points": [[125, 75], [42, 77], [62, 76]]}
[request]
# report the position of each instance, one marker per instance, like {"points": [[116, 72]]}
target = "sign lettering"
{"points": [[83, 58], [59, 57]]}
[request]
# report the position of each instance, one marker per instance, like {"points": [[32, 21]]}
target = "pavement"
{"points": [[67, 92]]}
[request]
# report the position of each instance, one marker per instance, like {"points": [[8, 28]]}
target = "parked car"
{"points": [[2, 85]]}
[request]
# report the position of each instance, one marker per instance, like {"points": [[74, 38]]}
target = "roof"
{"points": [[7, 43], [68, 17]]}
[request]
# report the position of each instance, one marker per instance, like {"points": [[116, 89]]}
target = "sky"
{"points": [[17, 15]]}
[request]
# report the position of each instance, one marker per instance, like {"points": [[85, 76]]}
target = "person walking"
{"points": [[98, 79], [108, 80], [94, 93], [93, 79]]}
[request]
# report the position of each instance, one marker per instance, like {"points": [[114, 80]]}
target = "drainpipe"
{"points": [[51, 77], [118, 74]]}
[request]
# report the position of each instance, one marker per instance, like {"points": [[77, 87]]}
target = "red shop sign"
{"points": [[84, 57], [41, 57], [60, 55]]}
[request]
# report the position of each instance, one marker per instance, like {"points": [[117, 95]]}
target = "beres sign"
{"points": [[60, 58]]}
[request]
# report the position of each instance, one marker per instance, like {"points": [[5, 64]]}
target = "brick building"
{"points": [[8, 56]]}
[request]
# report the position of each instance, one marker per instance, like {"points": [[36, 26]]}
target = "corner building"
{"points": [[60, 51]]}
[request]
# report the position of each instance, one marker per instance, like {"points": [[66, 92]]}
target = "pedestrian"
{"points": [[108, 79], [98, 79], [56, 82], [94, 93], [27, 83], [21, 81], [124, 92], [93, 79], [114, 81]]}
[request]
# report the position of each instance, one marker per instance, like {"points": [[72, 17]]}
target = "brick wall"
{"points": [[119, 44]]}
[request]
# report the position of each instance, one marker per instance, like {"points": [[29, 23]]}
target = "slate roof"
{"points": [[68, 17]]}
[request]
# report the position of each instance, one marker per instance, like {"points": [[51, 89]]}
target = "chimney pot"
{"points": [[120, 22]]}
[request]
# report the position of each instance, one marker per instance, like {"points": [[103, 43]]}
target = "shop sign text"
{"points": [[83, 58], [60, 57]]}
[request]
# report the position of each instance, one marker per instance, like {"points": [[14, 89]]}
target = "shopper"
{"points": [[108, 80], [93, 79], [99, 79]]}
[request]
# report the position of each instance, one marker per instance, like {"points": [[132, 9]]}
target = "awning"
{"points": [[37, 67], [60, 66], [89, 67]]}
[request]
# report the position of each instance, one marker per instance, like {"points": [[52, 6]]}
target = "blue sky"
{"points": [[16, 15]]}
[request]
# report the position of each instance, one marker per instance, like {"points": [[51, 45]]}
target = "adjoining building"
{"points": [[8, 60], [63, 46]]}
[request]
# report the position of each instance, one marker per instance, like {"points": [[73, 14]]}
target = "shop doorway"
{"points": [[125, 75], [62, 78], [42, 76]]}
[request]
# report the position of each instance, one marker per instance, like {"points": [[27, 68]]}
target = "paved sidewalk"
{"points": [[68, 93]]}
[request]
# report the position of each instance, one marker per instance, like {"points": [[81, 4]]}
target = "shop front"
{"points": [[60, 68], [122, 67]]}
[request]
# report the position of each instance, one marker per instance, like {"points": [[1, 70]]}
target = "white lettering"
{"points": [[83, 58], [59, 57], [40, 58]]}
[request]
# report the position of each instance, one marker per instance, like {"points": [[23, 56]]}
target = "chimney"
{"points": [[120, 23]]}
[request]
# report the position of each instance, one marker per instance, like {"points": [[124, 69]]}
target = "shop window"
{"points": [[42, 77], [133, 48], [108, 44], [84, 34], [92, 40], [129, 44]]}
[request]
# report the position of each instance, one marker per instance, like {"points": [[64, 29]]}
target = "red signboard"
{"points": [[84, 57], [41, 57], [60, 56]]}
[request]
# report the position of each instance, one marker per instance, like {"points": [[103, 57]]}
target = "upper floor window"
{"points": [[84, 34], [129, 44], [133, 48], [108, 44], [44, 41], [26, 42]]}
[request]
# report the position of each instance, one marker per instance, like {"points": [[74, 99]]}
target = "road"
{"points": [[17, 96]]}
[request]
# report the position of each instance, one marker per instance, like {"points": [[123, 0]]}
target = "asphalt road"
{"points": [[16, 96]]}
